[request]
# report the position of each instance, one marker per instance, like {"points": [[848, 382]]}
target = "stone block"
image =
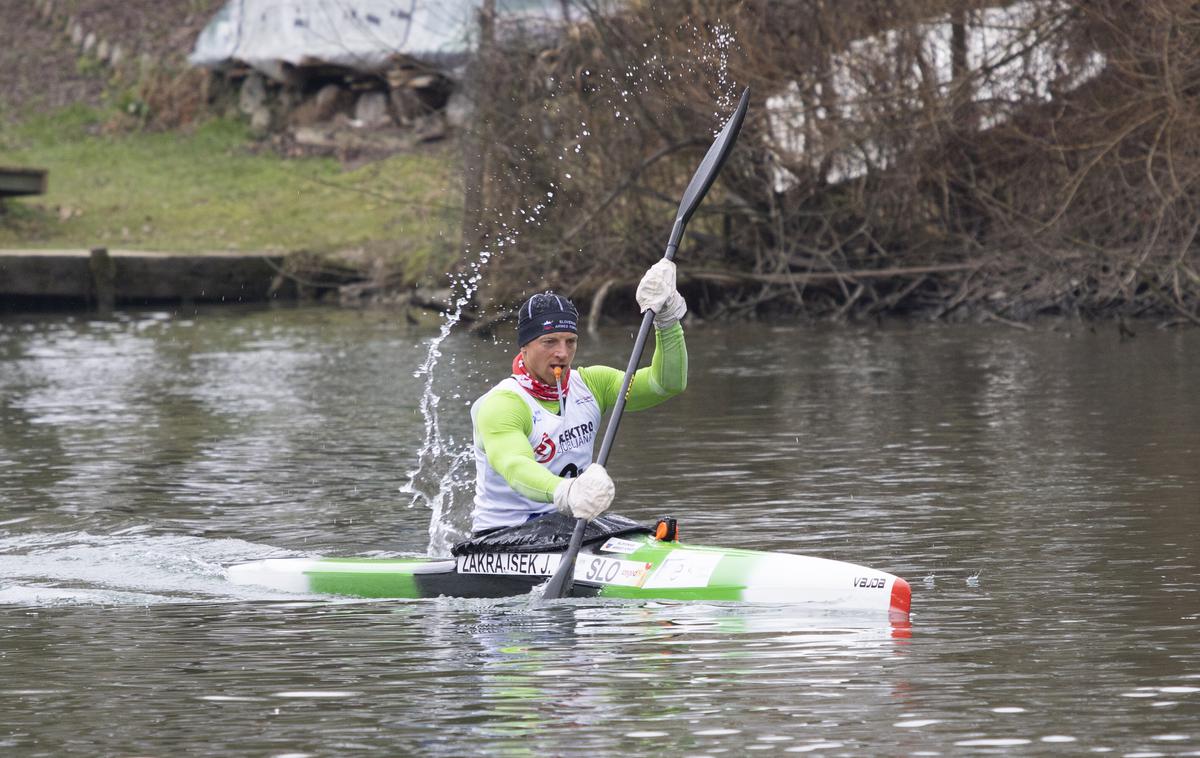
{"points": [[260, 120], [459, 110], [253, 94], [371, 110]]}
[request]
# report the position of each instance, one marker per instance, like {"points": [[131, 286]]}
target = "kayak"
{"points": [[619, 559]]}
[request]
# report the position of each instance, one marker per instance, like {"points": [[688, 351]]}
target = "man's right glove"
{"points": [[586, 496]]}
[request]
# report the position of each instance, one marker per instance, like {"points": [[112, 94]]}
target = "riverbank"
{"points": [[375, 231], [948, 225], [214, 187], [125, 174]]}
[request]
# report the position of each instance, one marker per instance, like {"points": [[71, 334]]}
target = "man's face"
{"points": [[544, 353]]}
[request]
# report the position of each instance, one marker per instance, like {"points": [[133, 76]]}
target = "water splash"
{"points": [[440, 471], [443, 476], [126, 567]]}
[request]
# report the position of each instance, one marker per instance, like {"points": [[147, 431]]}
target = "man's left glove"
{"points": [[657, 292]]}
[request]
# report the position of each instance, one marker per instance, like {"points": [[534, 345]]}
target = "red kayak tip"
{"points": [[901, 596]]}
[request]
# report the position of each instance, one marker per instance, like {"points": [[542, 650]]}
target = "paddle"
{"points": [[560, 584]]}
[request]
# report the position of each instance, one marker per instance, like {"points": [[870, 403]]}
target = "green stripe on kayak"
{"points": [[726, 582], [386, 580], [711, 592]]}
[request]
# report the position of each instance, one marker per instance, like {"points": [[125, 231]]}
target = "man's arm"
{"points": [[504, 425], [665, 377]]}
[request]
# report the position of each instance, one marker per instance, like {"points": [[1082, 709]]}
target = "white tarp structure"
{"points": [[1011, 63], [358, 34]]}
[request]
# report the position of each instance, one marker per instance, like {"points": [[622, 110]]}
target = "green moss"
{"points": [[86, 65], [209, 189]]}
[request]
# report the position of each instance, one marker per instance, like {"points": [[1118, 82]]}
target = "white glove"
{"points": [[586, 496], [657, 292]]}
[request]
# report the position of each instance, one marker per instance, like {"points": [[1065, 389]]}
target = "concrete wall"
{"points": [[134, 276]]}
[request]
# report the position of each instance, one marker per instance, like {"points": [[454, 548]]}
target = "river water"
{"points": [[1040, 490]]}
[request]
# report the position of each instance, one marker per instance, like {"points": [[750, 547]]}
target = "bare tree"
{"points": [[947, 157]]}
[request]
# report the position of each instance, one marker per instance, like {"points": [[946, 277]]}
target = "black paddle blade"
{"points": [[706, 172]]}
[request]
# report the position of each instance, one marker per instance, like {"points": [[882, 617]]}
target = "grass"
{"points": [[208, 189]]}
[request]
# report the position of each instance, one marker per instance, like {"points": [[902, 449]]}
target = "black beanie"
{"points": [[545, 313]]}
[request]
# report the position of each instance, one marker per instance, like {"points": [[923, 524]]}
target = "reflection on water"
{"points": [[1039, 490], [430, 676]]}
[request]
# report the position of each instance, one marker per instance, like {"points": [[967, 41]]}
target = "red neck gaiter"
{"points": [[535, 386]]}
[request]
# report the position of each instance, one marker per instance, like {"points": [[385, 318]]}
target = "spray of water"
{"points": [[443, 474], [441, 462]]}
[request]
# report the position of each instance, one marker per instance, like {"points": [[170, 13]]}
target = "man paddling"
{"points": [[535, 430]]}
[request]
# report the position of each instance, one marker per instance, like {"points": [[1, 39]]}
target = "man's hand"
{"points": [[657, 292], [587, 496]]}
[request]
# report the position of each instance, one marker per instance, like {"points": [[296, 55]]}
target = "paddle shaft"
{"points": [[706, 173], [560, 583]]}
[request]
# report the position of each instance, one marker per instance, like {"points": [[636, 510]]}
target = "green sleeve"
{"points": [[504, 423], [665, 377]]}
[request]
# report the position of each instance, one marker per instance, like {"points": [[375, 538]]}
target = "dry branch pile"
{"points": [[944, 158]]}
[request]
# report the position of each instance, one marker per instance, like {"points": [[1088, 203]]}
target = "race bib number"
{"points": [[514, 564]]}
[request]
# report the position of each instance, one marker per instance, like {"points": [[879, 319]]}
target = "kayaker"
{"points": [[535, 430]]}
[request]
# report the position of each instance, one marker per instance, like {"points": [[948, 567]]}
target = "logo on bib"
{"points": [[577, 436], [545, 449]]}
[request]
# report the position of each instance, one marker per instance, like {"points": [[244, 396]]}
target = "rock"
{"points": [[260, 120], [253, 94], [405, 104], [310, 137], [430, 128], [458, 110], [331, 99], [371, 110], [287, 98]]}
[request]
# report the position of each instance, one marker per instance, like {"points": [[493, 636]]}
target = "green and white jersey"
{"points": [[561, 444], [512, 484]]}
